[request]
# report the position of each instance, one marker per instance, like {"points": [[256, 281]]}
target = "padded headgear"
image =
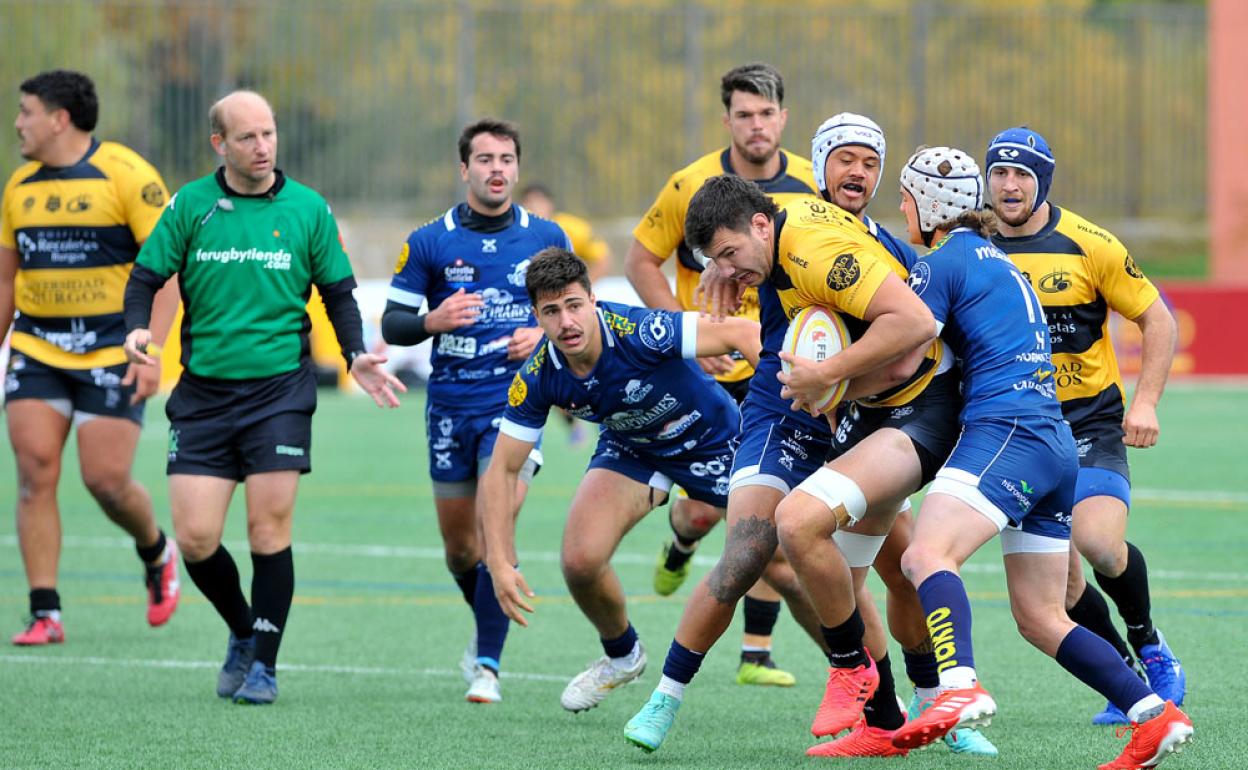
{"points": [[1023, 148], [838, 131], [944, 183]]}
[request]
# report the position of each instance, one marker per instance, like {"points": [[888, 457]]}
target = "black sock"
{"points": [[1092, 613], [217, 579], [467, 582], [44, 601], [760, 616], [921, 668], [152, 552], [272, 589], [677, 557], [844, 642], [882, 710], [1129, 591]]}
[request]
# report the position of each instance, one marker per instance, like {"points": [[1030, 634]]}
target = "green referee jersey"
{"points": [[246, 266]]}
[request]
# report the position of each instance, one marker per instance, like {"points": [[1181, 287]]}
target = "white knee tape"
{"points": [[859, 550], [835, 490]]}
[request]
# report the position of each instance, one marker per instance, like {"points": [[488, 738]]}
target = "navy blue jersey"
{"points": [[991, 317], [646, 390], [764, 387], [470, 366]]}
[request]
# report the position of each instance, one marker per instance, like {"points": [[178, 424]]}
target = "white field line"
{"points": [[284, 667]]}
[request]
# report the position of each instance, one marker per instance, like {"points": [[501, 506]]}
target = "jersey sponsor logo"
{"points": [[489, 245], [634, 419], [786, 460], [652, 219], [103, 378], [990, 252], [1033, 357], [65, 246], [1069, 374], [797, 260], [53, 203], [920, 277], [1104, 236], [1132, 269], [676, 427], [442, 460], [461, 272], [1041, 381], [535, 363], [518, 273], [77, 340], [1056, 281], [618, 323], [446, 425], [716, 467], [657, 331], [78, 204], [29, 203], [585, 412], [500, 305], [153, 195], [844, 273], [518, 391], [635, 391], [269, 260], [404, 253], [1083, 446], [457, 346]]}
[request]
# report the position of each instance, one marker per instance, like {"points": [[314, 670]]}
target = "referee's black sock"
{"points": [[272, 589], [217, 579], [1092, 613], [1129, 592]]}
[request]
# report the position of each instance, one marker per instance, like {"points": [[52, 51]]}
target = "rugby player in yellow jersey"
{"points": [[71, 223], [1080, 272], [754, 116], [538, 199], [811, 252]]}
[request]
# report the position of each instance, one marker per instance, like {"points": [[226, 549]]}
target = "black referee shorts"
{"points": [[234, 428]]}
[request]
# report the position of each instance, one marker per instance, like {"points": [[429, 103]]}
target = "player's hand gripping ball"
{"points": [[817, 333]]}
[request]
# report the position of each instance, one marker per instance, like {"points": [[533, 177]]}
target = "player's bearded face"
{"points": [[491, 172], [568, 319], [34, 126], [755, 124], [1013, 194], [743, 256], [851, 175]]}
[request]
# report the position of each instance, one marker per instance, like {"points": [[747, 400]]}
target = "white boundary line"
{"points": [[284, 667]]}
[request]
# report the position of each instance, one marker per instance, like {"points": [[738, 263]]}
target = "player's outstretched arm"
{"points": [[496, 495], [716, 338], [1159, 333]]}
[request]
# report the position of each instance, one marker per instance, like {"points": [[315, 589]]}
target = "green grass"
{"points": [[368, 668]]}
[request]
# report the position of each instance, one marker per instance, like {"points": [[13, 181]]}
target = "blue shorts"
{"points": [[460, 443], [1019, 472], [702, 472], [777, 450]]}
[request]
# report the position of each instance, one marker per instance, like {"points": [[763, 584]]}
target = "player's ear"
{"points": [[218, 144]]}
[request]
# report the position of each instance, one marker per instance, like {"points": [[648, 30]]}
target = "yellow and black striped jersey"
{"points": [[1081, 272], [662, 230], [76, 231], [826, 256]]}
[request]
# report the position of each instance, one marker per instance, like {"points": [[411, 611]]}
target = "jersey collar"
{"points": [[608, 338], [279, 182]]}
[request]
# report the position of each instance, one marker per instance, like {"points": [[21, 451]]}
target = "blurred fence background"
{"points": [[612, 97]]}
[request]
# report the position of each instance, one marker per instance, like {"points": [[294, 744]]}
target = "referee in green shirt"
{"points": [[247, 244]]}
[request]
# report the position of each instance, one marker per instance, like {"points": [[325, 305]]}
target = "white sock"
{"points": [[957, 678], [682, 549], [1153, 701], [629, 660], [671, 687], [752, 648], [927, 693]]}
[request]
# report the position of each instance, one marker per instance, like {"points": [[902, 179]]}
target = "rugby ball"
{"points": [[818, 334]]}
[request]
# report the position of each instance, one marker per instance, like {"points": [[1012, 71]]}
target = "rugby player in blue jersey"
{"points": [[1013, 471], [663, 420], [469, 266]]}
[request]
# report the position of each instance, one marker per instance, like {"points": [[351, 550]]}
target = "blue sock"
{"points": [[948, 619], [1094, 662], [921, 668], [682, 663], [492, 624], [622, 645]]}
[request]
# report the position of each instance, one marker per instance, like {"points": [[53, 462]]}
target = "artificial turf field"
{"points": [[368, 671]]}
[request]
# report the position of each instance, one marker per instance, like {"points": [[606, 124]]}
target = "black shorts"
{"points": [[72, 391], [234, 428], [737, 389], [1099, 443], [930, 420]]}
